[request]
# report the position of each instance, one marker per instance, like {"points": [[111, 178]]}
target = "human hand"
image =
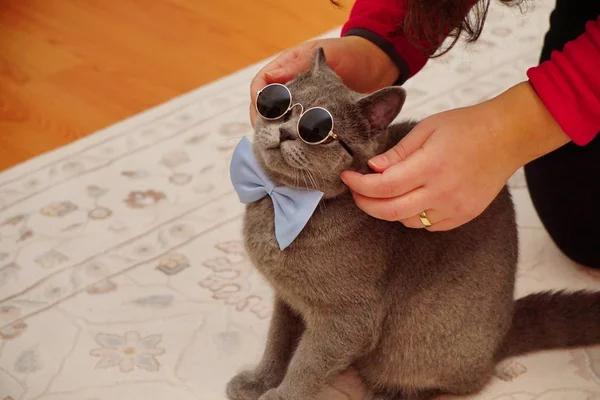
{"points": [[452, 165], [362, 65]]}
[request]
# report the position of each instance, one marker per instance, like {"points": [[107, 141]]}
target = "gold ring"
{"points": [[424, 220]]}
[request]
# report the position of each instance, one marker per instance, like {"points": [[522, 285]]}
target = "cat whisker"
{"points": [[316, 187], [296, 178], [303, 177], [311, 181]]}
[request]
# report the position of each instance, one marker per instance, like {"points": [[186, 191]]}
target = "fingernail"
{"points": [[276, 73], [379, 162]]}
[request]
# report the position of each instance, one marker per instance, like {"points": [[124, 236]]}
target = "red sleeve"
{"points": [[378, 21], [569, 85]]}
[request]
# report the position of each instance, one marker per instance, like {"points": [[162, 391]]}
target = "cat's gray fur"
{"points": [[416, 313]]}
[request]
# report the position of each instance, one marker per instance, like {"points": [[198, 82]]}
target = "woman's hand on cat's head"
{"points": [[452, 165], [362, 65]]}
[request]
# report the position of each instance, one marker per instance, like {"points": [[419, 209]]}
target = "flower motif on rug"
{"points": [[8, 311], [58, 209], [73, 167], [143, 199], [234, 129], [9, 273], [175, 158], [28, 362], [137, 174], [96, 191], [180, 179], [182, 231], [13, 331], [26, 234], [54, 292], [232, 281], [14, 220], [509, 370], [51, 259], [101, 287], [173, 263], [128, 352], [587, 362], [99, 213]]}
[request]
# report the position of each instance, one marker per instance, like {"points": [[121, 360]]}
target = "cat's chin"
{"points": [[279, 168]]}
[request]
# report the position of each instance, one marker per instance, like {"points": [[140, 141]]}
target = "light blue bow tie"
{"points": [[293, 207]]}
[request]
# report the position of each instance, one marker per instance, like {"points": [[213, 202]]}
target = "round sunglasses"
{"points": [[315, 125]]}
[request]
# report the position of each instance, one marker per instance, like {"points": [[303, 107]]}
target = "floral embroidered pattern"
{"points": [[128, 351], [180, 179], [13, 331], [17, 219], [58, 209], [173, 263], [182, 231], [138, 174], [235, 129], [8, 273], [104, 286], [51, 259], [587, 362], [73, 167], [230, 281], [99, 213], [143, 199], [175, 159], [25, 234], [96, 191], [28, 362], [509, 370], [8, 311]]}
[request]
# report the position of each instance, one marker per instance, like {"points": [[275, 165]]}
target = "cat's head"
{"points": [[360, 122]]}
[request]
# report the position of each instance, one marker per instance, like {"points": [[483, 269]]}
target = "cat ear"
{"points": [[319, 60], [381, 107]]}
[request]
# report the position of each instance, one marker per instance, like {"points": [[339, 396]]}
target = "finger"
{"points": [[393, 182], [283, 68], [252, 114], [394, 209], [415, 221], [413, 141]]}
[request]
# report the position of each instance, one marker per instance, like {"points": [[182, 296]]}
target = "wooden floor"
{"points": [[70, 67]]}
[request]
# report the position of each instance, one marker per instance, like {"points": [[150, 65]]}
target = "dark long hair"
{"points": [[429, 22]]}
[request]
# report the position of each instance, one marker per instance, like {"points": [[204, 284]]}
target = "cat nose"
{"points": [[286, 132]]}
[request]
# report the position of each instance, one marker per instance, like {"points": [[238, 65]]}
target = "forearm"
{"points": [[569, 85], [522, 126], [379, 21]]}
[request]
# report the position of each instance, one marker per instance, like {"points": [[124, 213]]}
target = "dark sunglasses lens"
{"points": [[315, 125], [273, 101]]}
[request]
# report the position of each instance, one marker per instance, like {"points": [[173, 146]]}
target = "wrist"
{"points": [[381, 69], [523, 126]]}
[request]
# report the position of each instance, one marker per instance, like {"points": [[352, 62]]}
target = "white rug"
{"points": [[121, 270]]}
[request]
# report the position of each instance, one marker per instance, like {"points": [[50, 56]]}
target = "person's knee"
{"points": [[582, 249]]}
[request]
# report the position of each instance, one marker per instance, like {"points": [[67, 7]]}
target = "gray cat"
{"points": [[417, 313]]}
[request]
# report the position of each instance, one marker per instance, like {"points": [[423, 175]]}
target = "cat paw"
{"points": [[272, 394], [246, 386]]}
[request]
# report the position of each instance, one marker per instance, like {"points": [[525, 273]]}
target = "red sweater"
{"points": [[568, 84]]}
